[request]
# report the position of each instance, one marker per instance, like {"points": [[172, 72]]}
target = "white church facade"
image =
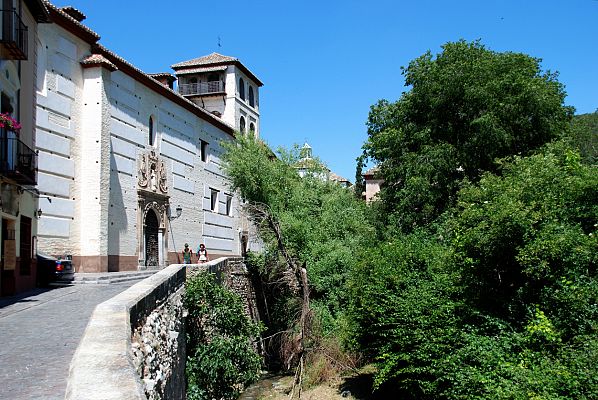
{"points": [[131, 164]]}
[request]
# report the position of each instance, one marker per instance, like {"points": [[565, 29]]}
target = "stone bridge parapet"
{"points": [[134, 344]]}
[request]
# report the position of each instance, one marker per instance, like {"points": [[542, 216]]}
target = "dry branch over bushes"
{"points": [[310, 228], [295, 279]]}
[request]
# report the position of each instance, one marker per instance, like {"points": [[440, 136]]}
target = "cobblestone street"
{"points": [[39, 334]]}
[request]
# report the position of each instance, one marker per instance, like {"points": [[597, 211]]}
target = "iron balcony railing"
{"points": [[13, 41], [17, 160], [188, 89]]}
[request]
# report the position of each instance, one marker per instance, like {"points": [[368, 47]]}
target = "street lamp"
{"points": [[179, 211]]}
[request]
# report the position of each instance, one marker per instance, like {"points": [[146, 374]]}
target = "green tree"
{"points": [[306, 222], [498, 298], [323, 226], [584, 136], [529, 237], [406, 313], [465, 107], [359, 187]]}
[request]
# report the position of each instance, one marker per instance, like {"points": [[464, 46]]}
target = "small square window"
{"points": [[203, 150], [214, 199]]}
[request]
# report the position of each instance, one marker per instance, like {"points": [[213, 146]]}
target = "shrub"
{"points": [[221, 360], [405, 311]]}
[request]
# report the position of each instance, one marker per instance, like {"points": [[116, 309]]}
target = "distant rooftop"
{"points": [[372, 171], [73, 12], [163, 75], [337, 178], [98, 59]]}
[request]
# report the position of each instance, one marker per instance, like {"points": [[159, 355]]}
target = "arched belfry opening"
{"points": [[151, 239]]}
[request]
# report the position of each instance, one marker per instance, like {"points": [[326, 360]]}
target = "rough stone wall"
{"points": [[239, 280], [134, 344], [232, 273], [158, 347]]}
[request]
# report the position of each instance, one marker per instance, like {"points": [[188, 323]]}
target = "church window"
{"points": [[229, 203], [242, 125], [251, 97], [241, 89], [152, 132], [213, 199], [252, 128], [203, 150]]}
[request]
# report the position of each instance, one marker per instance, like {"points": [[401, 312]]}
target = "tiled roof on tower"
{"points": [[200, 64], [214, 58]]}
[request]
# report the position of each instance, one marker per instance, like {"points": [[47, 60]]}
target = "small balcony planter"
{"points": [[8, 122], [17, 160]]}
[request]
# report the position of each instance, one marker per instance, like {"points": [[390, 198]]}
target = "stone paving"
{"points": [[39, 333]]}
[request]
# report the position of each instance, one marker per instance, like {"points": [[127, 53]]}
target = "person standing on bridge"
{"points": [[203, 254], [187, 254]]}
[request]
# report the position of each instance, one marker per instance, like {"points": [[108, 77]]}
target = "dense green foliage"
{"points": [[404, 309], [584, 136], [486, 285], [220, 358], [527, 237], [322, 224], [465, 107], [501, 300]]}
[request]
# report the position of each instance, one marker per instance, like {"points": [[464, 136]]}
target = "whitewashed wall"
{"points": [[64, 159], [58, 119], [178, 135], [242, 107]]}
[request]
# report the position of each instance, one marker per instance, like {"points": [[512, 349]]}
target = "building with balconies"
{"points": [[19, 21], [223, 86]]}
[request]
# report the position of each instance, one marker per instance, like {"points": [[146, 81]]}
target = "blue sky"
{"points": [[324, 63]]}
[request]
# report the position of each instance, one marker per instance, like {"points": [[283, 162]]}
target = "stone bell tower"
{"points": [[223, 86]]}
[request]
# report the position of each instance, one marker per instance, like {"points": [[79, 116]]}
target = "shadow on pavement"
{"points": [[23, 297]]}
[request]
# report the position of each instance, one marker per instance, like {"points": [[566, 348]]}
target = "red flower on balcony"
{"points": [[6, 121]]}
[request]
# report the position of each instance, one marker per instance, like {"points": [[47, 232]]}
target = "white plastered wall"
{"points": [[94, 205], [235, 107], [178, 135], [58, 124]]}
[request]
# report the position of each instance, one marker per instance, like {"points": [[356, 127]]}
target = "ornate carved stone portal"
{"points": [[152, 173], [153, 202], [151, 228]]}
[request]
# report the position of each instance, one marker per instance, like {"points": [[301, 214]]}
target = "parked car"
{"points": [[51, 269]]}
